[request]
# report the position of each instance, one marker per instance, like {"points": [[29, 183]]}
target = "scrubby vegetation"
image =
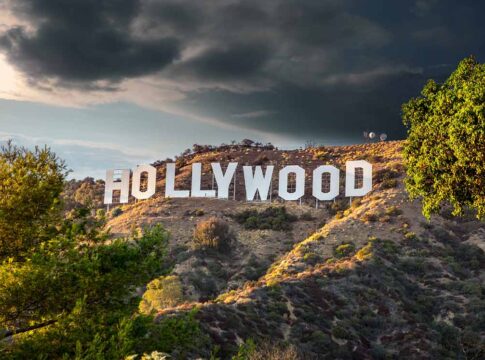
{"points": [[344, 250], [163, 292], [87, 193], [364, 310], [271, 218], [266, 351], [387, 178], [117, 211], [213, 233]]}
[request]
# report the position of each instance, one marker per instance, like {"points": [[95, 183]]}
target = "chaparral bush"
{"points": [[163, 292], [271, 218], [213, 233]]}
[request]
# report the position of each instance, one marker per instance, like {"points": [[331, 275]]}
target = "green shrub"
{"points": [[154, 355], [356, 203], [393, 211], [389, 184], [369, 217], [385, 174], [311, 258], [344, 250], [116, 212], [340, 332], [100, 214], [320, 338], [166, 291], [470, 256], [204, 283], [266, 351], [178, 334], [213, 233], [410, 236], [336, 206], [307, 216], [364, 253], [255, 268], [339, 215], [271, 218]]}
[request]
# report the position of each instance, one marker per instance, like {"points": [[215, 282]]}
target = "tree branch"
{"points": [[9, 333]]}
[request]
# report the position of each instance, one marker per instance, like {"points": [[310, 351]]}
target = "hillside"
{"points": [[255, 249], [369, 280]]}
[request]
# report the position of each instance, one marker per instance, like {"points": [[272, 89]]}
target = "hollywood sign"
{"points": [[256, 181]]}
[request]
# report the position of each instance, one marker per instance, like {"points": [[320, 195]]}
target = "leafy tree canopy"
{"points": [[75, 297], [445, 149], [68, 291], [30, 186]]}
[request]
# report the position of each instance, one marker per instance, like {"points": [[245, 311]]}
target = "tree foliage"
{"points": [[66, 289], [445, 149], [163, 292], [30, 186], [77, 292], [86, 193]]}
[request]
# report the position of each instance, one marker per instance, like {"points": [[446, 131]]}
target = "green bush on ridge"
{"points": [[271, 218]]}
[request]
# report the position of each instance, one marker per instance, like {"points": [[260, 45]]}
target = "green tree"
{"points": [[163, 292], [90, 193], [30, 186], [445, 149], [67, 291], [77, 295]]}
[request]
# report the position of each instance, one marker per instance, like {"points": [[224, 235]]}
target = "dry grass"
{"points": [[269, 351]]}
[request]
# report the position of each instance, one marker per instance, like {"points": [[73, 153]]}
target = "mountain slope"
{"points": [[370, 280]]}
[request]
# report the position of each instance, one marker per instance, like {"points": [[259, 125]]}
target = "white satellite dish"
{"points": [[372, 135], [383, 137]]}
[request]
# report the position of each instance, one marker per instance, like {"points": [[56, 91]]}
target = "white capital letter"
{"points": [[299, 182], [334, 182], [123, 185], [196, 183], [170, 184], [257, 182], [350, 167], [151, 182], [223, 180]]}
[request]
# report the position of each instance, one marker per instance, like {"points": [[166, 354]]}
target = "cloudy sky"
{"points": [[114, 83]]}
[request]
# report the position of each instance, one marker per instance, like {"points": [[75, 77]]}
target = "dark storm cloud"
{"points": [[327, 24], [171, 17], [294, 67], [232, 61], [83, 41], [314, 113]]}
